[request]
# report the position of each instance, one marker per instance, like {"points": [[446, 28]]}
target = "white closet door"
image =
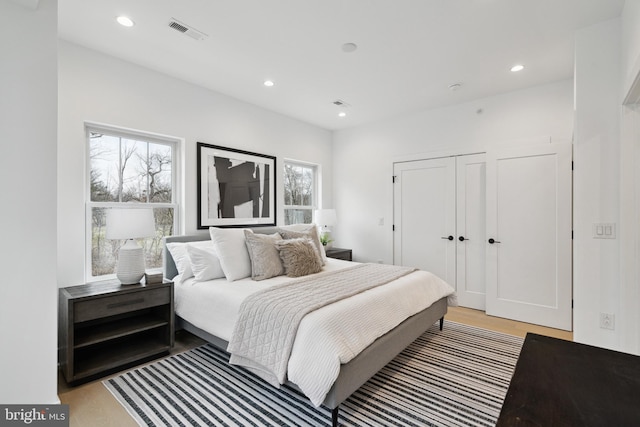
{"points": [[471, 228], [424, 216], [529, 217]]}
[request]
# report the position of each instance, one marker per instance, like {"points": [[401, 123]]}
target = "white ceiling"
{"points": [[409, 51]]}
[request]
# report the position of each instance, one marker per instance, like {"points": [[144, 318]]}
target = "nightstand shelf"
{"points": [[100, 359], [104, 326], [91, 335]]}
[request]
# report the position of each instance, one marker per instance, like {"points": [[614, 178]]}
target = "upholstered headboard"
{"points": [[169, 269]]}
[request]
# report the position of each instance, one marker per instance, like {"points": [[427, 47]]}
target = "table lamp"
{"points": [[128, 224]]}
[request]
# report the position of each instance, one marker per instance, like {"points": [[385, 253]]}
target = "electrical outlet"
{"points": [[607, 321]]}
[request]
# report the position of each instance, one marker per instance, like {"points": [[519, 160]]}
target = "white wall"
{"points": [[363, 156], [630, 181], [100, 88], [596, 182], [28, 295], [607, 181], [630, 43]]}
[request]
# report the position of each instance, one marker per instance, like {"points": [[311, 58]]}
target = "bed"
{"points": [[198, 302]]}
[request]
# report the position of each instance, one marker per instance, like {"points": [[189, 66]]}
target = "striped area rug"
{"points": [[455, 377]]}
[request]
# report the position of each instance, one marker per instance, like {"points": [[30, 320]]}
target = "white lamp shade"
{"points": [[326, 217], [130, 223]]}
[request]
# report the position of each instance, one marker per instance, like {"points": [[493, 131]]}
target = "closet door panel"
{"points": [[529, 219], [471, 226], [424, 216]]}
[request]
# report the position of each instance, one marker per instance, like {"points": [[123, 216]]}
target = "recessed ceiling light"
{"points": [[125, 21], [269, 83], [349, 47], [342, 114], [517, 68]]}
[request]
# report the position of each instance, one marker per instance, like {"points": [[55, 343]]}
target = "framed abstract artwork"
{"points": [[235, 188]]}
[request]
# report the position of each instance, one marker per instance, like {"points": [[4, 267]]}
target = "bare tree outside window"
{"points": [[299, 193], [129, 170]]}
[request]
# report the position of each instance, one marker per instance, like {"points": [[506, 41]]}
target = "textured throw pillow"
{"points": [[299, 257], [204, 263], [311, 233], [265, 259], [232, 252], [178, 251]]}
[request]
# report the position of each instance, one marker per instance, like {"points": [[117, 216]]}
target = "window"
{"points": [[128, 168], [300, 188]]}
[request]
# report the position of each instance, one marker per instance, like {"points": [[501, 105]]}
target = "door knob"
{"points": [[462, 239], [492, 241], [447, 238]]}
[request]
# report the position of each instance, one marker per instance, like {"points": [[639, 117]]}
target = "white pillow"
{"points": [[180, 256], [232, 251], [297, 227], [204, 263]]}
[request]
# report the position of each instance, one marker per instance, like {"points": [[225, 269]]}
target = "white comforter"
{"points": [[327, 337]]}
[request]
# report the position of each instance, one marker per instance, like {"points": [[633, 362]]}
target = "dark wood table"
{"points": [[105, 326], [562, 383], [340, 253]]}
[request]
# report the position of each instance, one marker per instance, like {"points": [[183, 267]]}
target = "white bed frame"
{"points": [[358, 371]]}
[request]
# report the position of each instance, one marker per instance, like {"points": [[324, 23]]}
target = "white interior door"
{"points": [[471, 228], [424, 216], [529, 218]]}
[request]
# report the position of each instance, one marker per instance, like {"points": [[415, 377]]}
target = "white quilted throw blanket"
{"points": [[268, 321]]}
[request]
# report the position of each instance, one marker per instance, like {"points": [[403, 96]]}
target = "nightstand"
{"points": [[105, 325], [339, 253]]}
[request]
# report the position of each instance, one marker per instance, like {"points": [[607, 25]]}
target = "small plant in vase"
{"points": [[326, 240]]}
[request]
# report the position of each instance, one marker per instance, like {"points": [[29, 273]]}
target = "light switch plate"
{"points": [[604, 230]]}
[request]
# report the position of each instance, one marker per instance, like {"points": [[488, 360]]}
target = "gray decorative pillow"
{"points": [[265, 258], [299, 257], [311, 234]]}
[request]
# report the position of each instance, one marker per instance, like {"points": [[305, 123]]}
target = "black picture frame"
{"points": [[236, 188]]}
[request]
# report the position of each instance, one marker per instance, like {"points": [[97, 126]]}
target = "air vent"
{"points": [[179, 27], [187, 30]]}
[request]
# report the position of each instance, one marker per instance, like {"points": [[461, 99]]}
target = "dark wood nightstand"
{"points": [[106, 325], [340, 253]]}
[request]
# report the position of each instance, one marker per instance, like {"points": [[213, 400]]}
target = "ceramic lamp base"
{"points": [[130, 268]]}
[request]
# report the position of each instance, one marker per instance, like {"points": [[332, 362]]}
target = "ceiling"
{"points": [[408, 51]]}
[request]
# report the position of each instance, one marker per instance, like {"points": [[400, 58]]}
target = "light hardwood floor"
{"points": [[480, 320], [92, 405]]}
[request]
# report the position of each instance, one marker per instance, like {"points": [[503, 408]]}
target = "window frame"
{"points": [[315, 188], [148, 137]]}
